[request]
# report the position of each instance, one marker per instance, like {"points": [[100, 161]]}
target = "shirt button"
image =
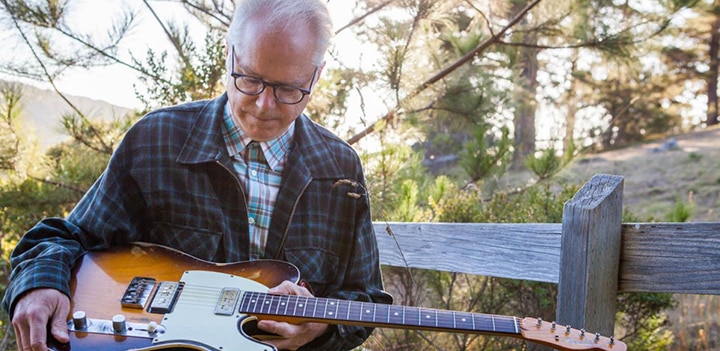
{"points": [[251, 220], [253, 173]]}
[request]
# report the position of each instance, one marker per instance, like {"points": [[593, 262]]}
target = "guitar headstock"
{"points": [[566, 338]]}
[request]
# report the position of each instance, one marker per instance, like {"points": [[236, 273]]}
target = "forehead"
{"points": [[283, 52]]}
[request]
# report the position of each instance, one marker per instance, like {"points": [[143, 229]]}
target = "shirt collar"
{"points": [[274, 150]]}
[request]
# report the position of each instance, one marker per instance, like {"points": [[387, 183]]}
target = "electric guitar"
{"points": [[149, 297]]}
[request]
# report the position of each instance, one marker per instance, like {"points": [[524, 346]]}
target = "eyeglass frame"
{"points": [[266, 84]]}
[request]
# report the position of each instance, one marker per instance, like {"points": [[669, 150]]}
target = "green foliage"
{"points": [[680, 213], [642, 317], [199, 72], [483, 156], [544, 166]]}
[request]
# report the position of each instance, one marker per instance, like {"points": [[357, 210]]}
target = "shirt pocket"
{"points": [[317, 267], [198, 242]]}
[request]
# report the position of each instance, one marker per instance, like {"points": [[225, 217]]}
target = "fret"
{"points": [[444, 319], [336, 304], [287, 304], [411, 317], [294, 302], [382, 313], [325, 309], [278, 305], [342, 310], [308, 303], [245, 302], [267, 304], [395, 315], [365, 313], [302, 305], [464, 320], [355, 311], [506, 324], [428, 317]]}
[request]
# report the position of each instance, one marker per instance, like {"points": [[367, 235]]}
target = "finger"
{"points": [[58, 324], [289, 288], [38, 338], [59, 331], [284, 330], [19, 337]]}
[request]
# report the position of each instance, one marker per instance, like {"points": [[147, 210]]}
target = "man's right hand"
{"points": [[36, 311]]}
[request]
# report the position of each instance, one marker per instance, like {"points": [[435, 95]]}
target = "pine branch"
{"points": [[442, 74]]}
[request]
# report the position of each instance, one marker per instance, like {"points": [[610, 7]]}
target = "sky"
{"points": [[114, 83]]}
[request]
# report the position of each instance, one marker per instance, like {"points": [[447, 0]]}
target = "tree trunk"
{"points": [[712, 77], [571, 103], [525, 102]]}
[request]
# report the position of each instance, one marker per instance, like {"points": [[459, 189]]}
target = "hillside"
{"points": [[657, 175], [42, 112]]}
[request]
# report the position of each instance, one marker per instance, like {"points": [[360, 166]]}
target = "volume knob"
{"points": [[118, 323], [79, 320]]}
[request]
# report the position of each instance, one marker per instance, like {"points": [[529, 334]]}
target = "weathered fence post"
{"points": [[590, 255]]}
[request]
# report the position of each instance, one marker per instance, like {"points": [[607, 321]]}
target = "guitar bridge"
{"points": [[138, 292], [165, 297]]}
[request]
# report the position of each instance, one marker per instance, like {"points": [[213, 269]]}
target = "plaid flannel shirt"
{"points": [[171, 182]]}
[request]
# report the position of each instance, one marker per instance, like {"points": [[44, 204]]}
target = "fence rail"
{"points": [[591, 255]]}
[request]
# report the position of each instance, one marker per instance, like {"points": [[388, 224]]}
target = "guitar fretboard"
{"points": [[374, 314]]}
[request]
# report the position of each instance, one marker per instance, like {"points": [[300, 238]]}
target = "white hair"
{"points": [[286, 14]]}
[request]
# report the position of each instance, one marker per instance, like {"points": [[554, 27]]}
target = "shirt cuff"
{"points": [[36, 274]]}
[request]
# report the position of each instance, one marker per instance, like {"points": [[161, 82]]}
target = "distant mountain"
{"points": [[42, 112]]}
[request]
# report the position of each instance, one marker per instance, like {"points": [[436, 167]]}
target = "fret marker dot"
{"points": [[427, 316], [463, 319], [397, 314], [367, 311], [330, 313], [267, 302], [300, 305], [282, 304]]}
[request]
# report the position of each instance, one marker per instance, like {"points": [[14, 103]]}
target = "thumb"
{"points": [[58, 325]]}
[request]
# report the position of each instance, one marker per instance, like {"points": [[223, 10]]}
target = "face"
{"points": [[283, 57]]}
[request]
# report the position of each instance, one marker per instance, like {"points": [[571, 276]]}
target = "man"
{"points": [[245, 176]]}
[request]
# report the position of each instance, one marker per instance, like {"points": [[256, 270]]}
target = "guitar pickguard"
{"points": [[200, 313]]}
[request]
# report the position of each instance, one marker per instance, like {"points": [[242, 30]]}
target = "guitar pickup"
{"points": [[138, 292], [165, 297]]}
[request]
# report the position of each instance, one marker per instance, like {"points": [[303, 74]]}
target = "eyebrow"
{"points": [[249, 72]]}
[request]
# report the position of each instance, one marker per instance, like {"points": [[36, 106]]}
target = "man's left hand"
{"points": [[291, 336]]}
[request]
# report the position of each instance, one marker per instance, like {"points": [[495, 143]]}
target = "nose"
{"points": [[266, 99]]}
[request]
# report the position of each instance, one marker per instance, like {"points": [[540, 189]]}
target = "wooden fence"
{"points": [[592, 255]]}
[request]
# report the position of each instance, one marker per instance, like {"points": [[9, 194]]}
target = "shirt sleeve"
{"points": [[45, 256]]}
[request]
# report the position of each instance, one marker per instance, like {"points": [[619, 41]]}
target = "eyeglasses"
{"points": [[251, 85]]}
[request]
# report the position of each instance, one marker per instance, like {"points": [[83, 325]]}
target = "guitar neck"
{"points": [[334, 311]]}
